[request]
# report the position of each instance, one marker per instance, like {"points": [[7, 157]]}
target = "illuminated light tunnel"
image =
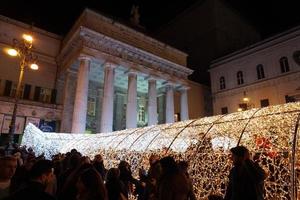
{"points": [[270, 133]]}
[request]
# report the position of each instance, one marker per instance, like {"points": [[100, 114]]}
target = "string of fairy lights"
{"points": [[267, 132]]}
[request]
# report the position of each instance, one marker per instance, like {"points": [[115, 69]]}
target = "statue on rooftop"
{"points": [[135, 15]]}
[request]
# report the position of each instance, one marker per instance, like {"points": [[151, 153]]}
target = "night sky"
{"points": [[268, 16]]}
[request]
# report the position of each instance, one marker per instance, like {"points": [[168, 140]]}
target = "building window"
{"points": [[14, 90], [222, 83], [289, 99], [243, 106], [284, 65], [224, 110], [240, 79], [260, 71], [91, 108], [45, 95], [264, 103], [26, 93], [141, 115]]}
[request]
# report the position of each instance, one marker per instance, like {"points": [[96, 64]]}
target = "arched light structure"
{"points": [[270, 133]]}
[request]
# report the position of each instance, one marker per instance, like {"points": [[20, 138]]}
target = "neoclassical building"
{"points": [[266, 73], [100, 77]]}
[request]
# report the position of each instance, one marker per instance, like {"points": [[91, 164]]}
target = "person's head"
{"points": [[113, 174], [85, 159], [239, 154], [90, 183], [98, 158], [168, 165], [29, 163], [42, 171], [183, 166], [75, 159], [153, 159], [8, 165], [124, 166]]}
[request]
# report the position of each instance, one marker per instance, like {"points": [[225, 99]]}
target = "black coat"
{"points": [[33, 191], [246, 182]]}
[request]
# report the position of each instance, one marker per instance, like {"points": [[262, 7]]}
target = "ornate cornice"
{"points": [[86, 38]]}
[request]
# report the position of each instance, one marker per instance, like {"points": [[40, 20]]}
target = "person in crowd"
{"points": [[246, 178], [153, 175], [69, 189], [99, 166], [115, 187], [85, 160], [173, 184], [183, 167], [22, 174], [140, 188], [41, 175], [8, 165], [70, 165], [126, 177], [90, 186]]}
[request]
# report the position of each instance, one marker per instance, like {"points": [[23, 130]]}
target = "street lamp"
{"points": [[23, 49], [246, 104]]}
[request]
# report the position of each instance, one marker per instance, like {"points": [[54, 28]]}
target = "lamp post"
{"points": [[22, 49]]}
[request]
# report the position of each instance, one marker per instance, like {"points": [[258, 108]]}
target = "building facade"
{"points": [[266, 73], [102, 76]]}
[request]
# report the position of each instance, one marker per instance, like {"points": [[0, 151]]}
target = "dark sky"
{"points": [[268, 16], [58, 18]]}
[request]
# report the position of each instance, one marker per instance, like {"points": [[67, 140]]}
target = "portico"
{"points": [[119, 75]]}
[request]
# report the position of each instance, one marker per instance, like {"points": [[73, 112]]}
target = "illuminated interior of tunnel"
{"points": [[270, 133]]}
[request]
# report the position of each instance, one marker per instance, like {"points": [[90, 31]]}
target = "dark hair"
{"points": [[41, 167], [113, 174], [168, 165], [92, 180], [183, 165], [239, 151]]}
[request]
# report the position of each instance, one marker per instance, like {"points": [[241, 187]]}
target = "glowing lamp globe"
{"points": [[12, 52], [34, 66], [27, 38]]}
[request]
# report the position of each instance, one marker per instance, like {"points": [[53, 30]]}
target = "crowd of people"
{"points": [[72, 176]]}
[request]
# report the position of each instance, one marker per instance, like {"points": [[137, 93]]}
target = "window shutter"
{"points": [[37, 93], [26, 93], [7, 89]]}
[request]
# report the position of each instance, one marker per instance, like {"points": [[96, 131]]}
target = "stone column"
{"points": [[169, 103], [131, 112], [152, 102], [81, 96], [108, 98], [184, 109], [68, 101], [99, 110]]}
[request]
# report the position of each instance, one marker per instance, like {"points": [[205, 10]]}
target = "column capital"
{"points": [[183, 88], [151, 78], [109, 65], [71, 71], [132, 72], [169, 84], [85, 57]]}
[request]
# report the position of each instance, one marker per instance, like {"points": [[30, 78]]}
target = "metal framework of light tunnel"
{"points": [[270, 133]]}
